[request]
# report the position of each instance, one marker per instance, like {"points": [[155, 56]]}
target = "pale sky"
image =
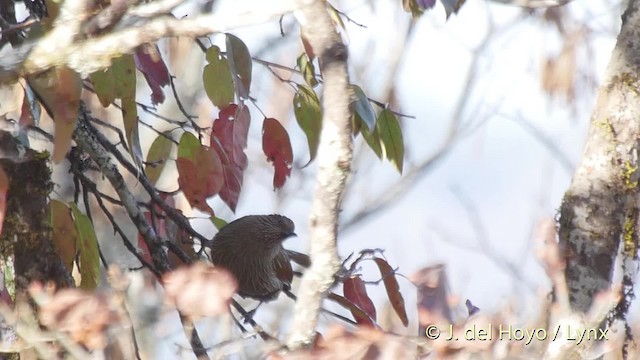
{"points": [[502, 169], [508, 175]]}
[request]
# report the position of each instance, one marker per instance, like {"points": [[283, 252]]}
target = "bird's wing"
{"points": [[282, 268]]}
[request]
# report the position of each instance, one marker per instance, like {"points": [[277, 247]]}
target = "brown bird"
{"points": [[251, 249]]}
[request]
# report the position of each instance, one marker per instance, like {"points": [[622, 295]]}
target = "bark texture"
{"points": [[334, 163], [26, 233], [600, 210]]}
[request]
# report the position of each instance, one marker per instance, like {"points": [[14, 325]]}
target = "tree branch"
{"points": [[600, 209], [334, 164], [87, 138], [61, 46]]}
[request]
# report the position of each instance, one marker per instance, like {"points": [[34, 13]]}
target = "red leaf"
{"points": [[356, 292], [229, 139], [168, 229], [201, 181], [307, 48], [393, 289], [357, 313], [150, 63], [5, 297], [167, 198], [277, 147], [200, 185], [4, 187]]}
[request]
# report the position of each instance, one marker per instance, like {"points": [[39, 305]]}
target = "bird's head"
{"points": [[276, 228], [267, 231]]}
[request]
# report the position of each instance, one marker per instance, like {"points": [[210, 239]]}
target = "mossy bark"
{"points": [[26, 234], [599, 212]]}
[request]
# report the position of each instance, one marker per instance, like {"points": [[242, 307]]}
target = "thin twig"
{"points": [[270, 65], [250, 320], [548, 143], [12, 28], [192, 334], [113, 128], [293, 297], [87, 183], [189, 117], [395, 192], [485, 245], [160, 133], [172, 213], [350, 19], [88, 138], [386, 106], [99, 147], [148, 110]]}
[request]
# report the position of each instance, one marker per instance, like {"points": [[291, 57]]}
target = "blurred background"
{"points": [[499, 100], [496, 103]]}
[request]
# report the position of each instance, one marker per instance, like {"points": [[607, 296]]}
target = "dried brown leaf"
{"points": [[199, 290], [84, 316]]}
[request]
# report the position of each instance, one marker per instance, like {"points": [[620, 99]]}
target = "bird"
{"points": [[251, 249]]}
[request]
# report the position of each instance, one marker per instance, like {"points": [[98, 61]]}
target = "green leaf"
{"points": [[104, 86], [390, 133], [116, 82], [363, 108], [124, 76], [307, 69], [124, 73], [217, 222], [306, 108], [337, 20], [119, 82], [371, 137], [217, 78], [157, 156], [188, 147], [240, 63], [64, 232], [87, 246]]}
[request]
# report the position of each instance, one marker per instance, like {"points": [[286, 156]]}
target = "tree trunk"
{"points": [[26, 233], [600, 210]]}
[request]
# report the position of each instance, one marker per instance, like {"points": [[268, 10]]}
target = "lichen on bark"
{"points": [[599, 212], [26, 235]]}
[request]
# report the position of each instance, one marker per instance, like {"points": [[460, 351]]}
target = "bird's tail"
{"points": [[299, 258]]}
